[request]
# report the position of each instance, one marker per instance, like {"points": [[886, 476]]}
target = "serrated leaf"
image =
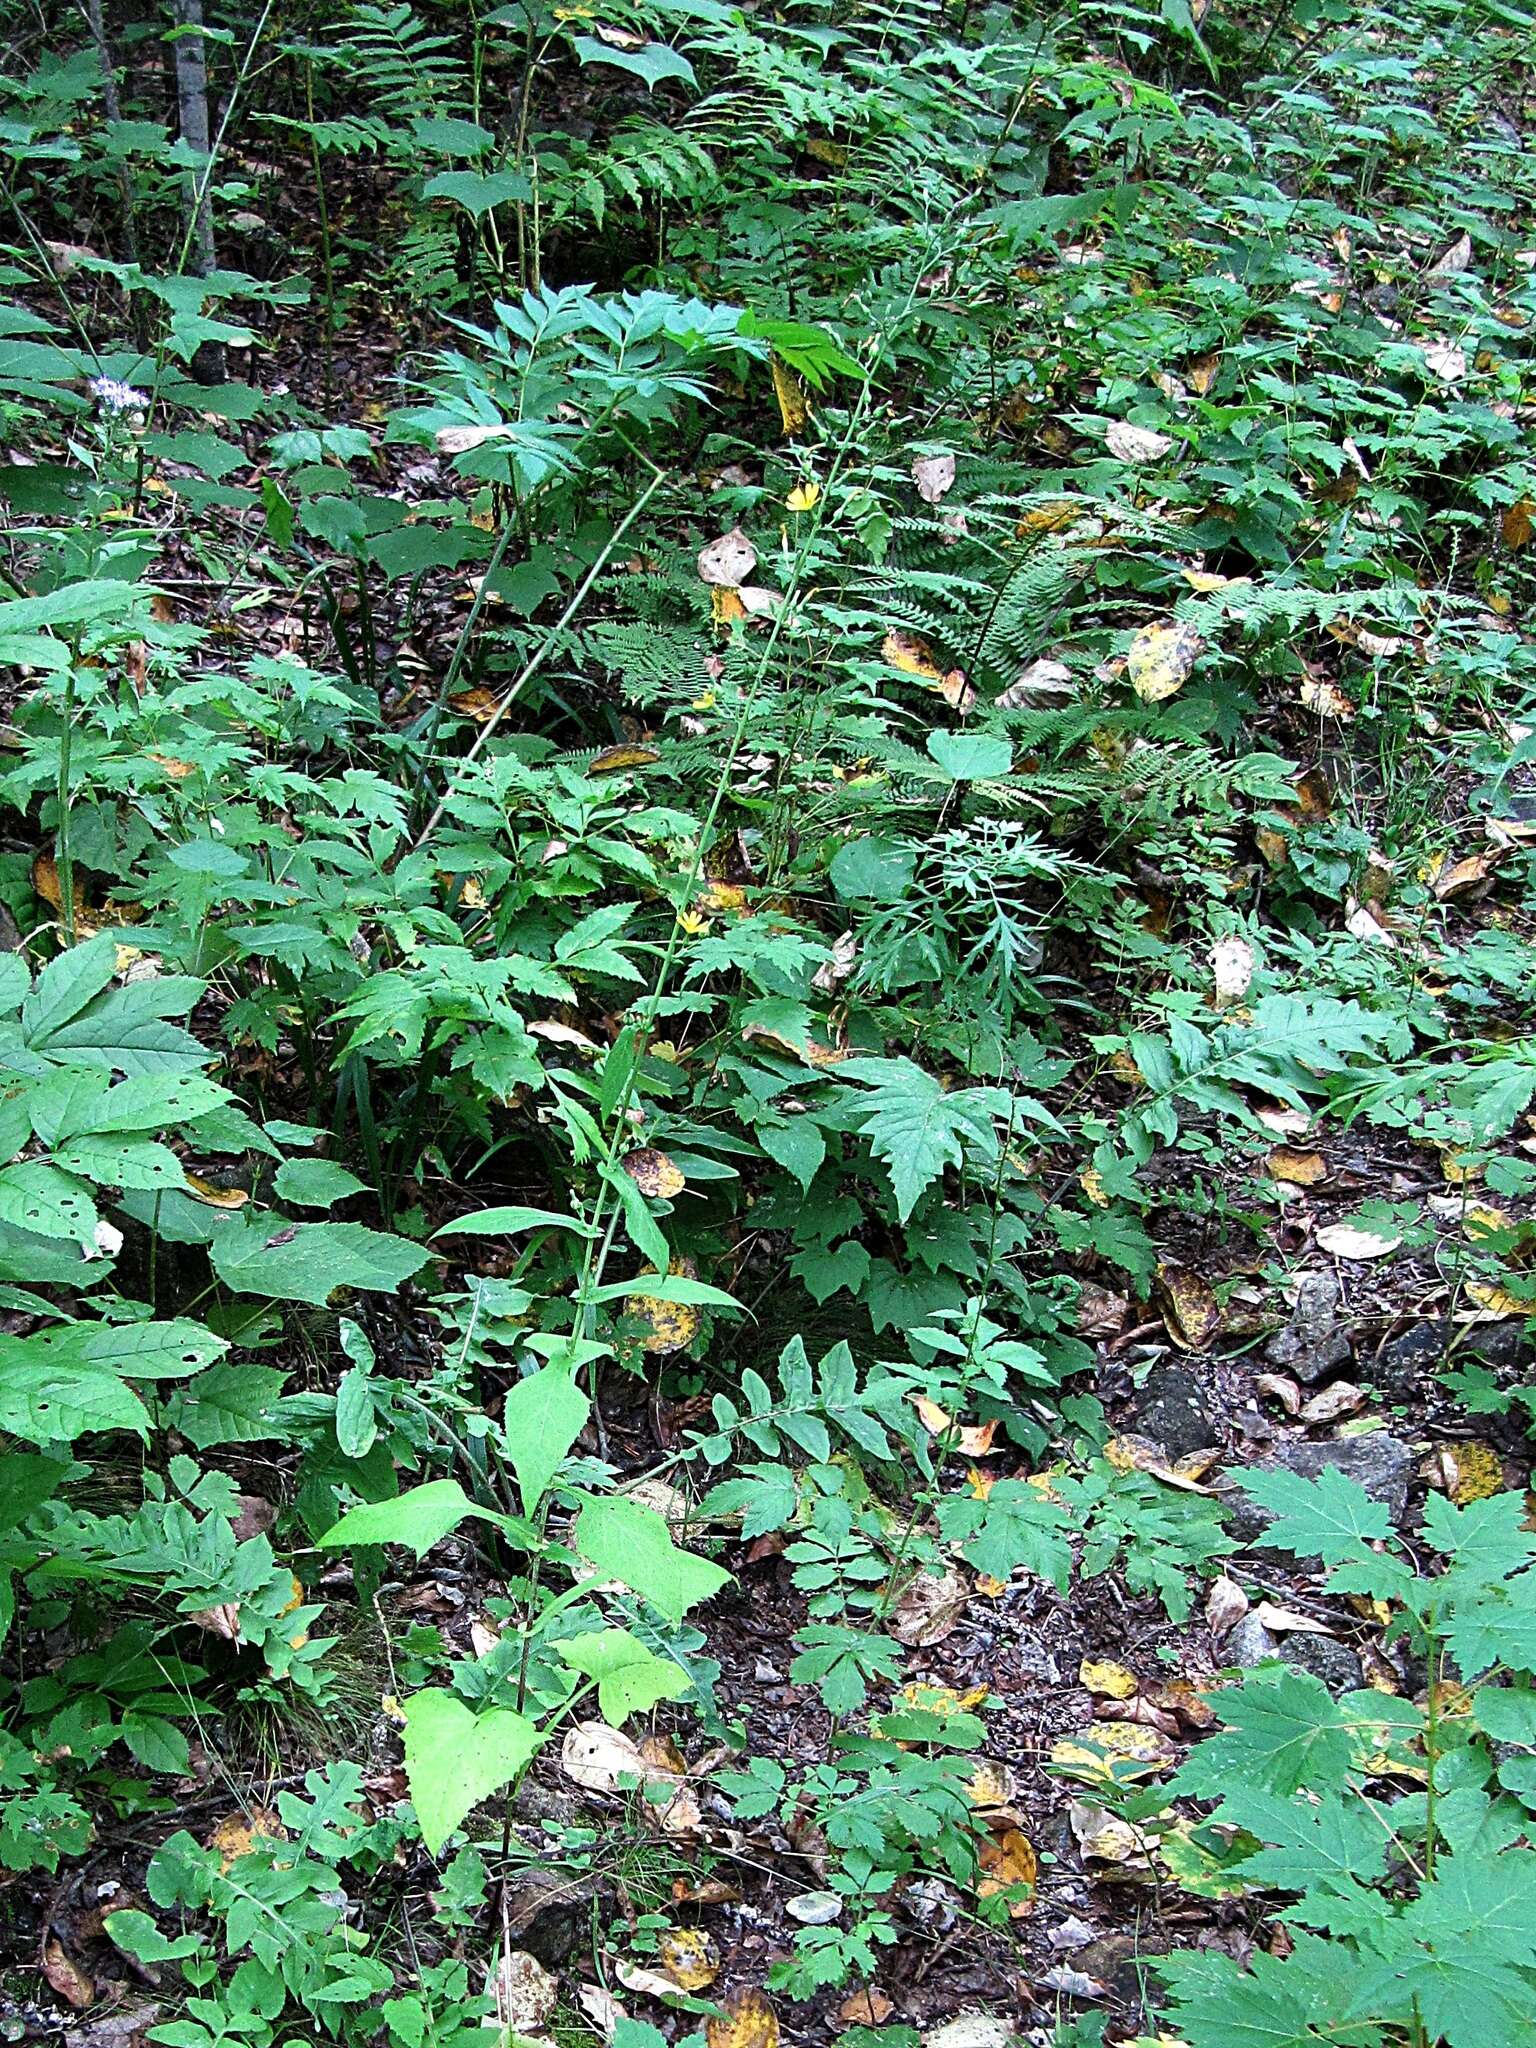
{"points": [[455, 1758], [308, 1261], [417, 1519], [633, 1544], [917, 1127], [630, 1678], [230, 1404], [542, 1416]]}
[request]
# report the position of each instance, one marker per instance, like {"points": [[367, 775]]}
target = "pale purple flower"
{"points": [[114, 396]]}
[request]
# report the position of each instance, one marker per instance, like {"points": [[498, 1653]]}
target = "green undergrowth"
{"points": [[701, 740]]}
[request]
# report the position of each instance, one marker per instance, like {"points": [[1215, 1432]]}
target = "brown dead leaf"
{"points": [[1225, 1606], [1518, 523], [868, 2008], [1326, 699], [810, 1050], [748, 2021], [66, 1977], [1131, 1453], [1342, 1398], [1279, 1387], [480, 704], [991, 1787], [1289, 1621], [1458, 878], [1188, 1307], [654, 1174], [223, 1620], [930, 1609], [728, 561]]}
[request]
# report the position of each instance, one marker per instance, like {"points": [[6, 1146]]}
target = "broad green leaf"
{"points": [[917, 1127], [121, 1162], [47, 1404], [542, 1416], [356, 1425], [455, 1758], [315, 1183], [874, 869], [655, 62], [140, 1351], [417, 1519], [1331, 1517], [508, 1221], [308, 1261], [630, 1678], [477, 191], [231, 1404], [970, 756], [633, 1544], [36, 1196]]}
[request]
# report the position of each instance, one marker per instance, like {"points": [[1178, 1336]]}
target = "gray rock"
{"points": [[1333, 1662], [1124, 1962], [1382, 1464], [549, 1915], [1411, 1360], [1313, 1342], [1250, 1643], [1173, 1408]]}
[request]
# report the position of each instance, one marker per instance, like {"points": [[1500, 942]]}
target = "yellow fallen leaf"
{"points": [[1113, 1751], [689, 1958], [1006, 1861], [1161, 659], [725, 606], [833, 154], [990, 1785], [1496, 1303], [1300, 1169], [1108, 1681], [1466, 1471], [611, 759], [748, 2021], [213, 1196], [237, 1834], [1190, 1312]]}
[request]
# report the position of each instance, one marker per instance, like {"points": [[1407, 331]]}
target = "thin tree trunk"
{"points": [[192, 108], [111, 100]]}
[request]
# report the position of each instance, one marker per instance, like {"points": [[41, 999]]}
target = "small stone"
{"points": [[1331, 1661], [1250, 1643], [1312, 1343], [549, 1915], [815, 1909], [1411, 1360], [1123, 1962], [1172, 1407]]}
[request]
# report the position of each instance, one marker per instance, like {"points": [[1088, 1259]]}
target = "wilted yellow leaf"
{"points": [[612, 759], [1467, 1471], [748, 2021], [794, 402], [1301, 1169], [1007, 1860], [215, 1197], [689, 1958], [833, 154], [1161, 659], [1109, 1681], [1113, 1750], [1189, 1309]]}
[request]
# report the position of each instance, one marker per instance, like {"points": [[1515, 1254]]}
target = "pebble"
{"points": [[1335, 1663], [1172, 1407], [1313, 1342]]}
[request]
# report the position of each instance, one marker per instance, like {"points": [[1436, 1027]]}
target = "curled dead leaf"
{"points": [[1189, 1309], [1135, 444], [1225, 1605], [524, 1992], [728, 561], [930, 1609], [1342, 1398]]}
